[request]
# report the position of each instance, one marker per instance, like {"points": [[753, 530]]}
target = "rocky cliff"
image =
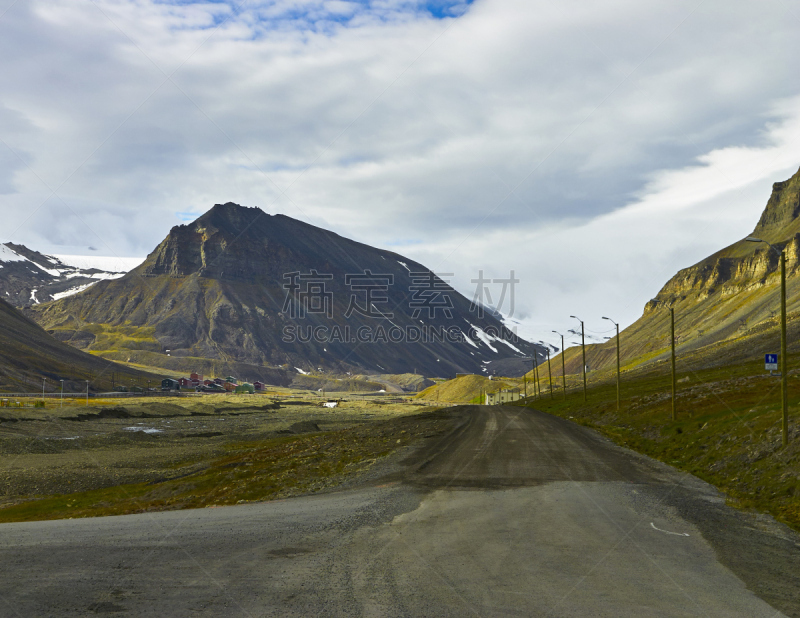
{"points": [[727, 298]]}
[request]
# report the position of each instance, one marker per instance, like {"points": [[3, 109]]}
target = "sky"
{"points": [[593, 149]]}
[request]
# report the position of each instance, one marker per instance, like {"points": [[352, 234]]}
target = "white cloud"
{"points": [[587, 131]]}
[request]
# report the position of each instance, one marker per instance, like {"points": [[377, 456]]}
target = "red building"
{"points": [[259, 386]]}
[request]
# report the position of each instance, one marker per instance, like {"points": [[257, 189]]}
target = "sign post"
{"points": [[771, 362]]}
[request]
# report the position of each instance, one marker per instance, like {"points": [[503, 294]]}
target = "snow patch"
{"points": [[305, 373], [404, 265], [469, 340], [108, 264], [9, 255], [71, 291], [144, 429]]}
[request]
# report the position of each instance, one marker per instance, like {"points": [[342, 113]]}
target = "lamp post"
{"points": [[563, 371], [784, 373], [583, 353], [617, 325], [43, 380], [549, 373], [62, 393]]}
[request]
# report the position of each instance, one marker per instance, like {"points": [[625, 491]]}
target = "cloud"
{"points": [[485, 128]]}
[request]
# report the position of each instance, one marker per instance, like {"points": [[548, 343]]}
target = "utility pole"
{"points": [[533, 377], [549, 373], [583, 354], [618, 379], [784, 353], [672, 330], [87, 392], [784, 368], [563, 365]]}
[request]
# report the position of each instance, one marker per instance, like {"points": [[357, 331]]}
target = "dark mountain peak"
{"points": [[239, 284], [782, 211], [229, 217]]}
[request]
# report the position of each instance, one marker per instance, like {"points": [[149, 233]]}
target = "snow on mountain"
{"points": [[28, 277]]}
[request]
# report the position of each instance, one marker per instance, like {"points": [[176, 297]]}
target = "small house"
{"points": [[185, 383], [219, 381], [168, 384], [230, 386], [232, 380], [196, 376], [502, 396], [259, 386]]}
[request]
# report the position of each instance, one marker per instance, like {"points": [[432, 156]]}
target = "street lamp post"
{"points": [[618, 379], [784, 372], [563, 370], [583, 353], [43, 380], [549, 374]]}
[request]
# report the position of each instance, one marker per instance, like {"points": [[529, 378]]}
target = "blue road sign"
{"points": [[771, 362]]}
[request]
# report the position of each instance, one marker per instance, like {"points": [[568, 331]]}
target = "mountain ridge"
{"points": [[230, 285]]}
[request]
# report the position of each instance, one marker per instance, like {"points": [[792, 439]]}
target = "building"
{"points": [[503, 396], [168, 384], [196, 376], [245, 388], [185, 383], [232, 380], [219, 381], [229, 386], [259, 386]]}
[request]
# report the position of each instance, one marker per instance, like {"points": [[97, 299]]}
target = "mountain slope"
{"points": [[28, 354], [238, 284], [28, 277], [725, 305]]}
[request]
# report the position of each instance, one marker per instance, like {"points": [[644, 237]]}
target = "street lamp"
{"points": [[549, 373], [583, 352], [617, 325], [62, 393], [563, 371], [784, 373]]}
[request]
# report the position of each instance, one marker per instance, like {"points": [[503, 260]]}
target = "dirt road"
{"points": [[514, 513]]}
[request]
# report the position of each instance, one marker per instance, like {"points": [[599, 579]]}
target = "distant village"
{"points": [[218, 385]]}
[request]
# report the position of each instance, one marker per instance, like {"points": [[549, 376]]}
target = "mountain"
{"points": [[240, 285], [727, 306], [28, 354], [28, 277]]}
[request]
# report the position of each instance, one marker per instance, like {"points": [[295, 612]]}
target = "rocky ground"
{"points": [[44, 452]]}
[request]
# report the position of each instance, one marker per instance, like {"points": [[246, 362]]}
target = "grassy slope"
{"points": [[28, 353], [463, 389], [727, 431]]}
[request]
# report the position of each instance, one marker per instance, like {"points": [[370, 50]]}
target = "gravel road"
{"points": [[514, 513]]}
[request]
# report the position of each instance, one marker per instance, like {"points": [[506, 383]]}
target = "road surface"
{"points": [[516, 513]]}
